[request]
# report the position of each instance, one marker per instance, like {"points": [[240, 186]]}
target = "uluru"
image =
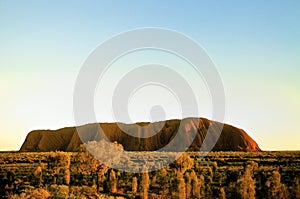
{"points": [[69, 139]]}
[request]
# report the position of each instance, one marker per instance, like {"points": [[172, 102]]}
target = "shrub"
{"points": [[60, 191], [38, 176], [275, 187], [145, 182], [134, 184], [184, 162], [113, 182], [38, 193], [222, 194], [188, 187], [246, 184], [195, 185], [181, 187]]}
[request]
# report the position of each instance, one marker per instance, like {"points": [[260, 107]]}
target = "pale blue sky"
{"points": [[254, 44]]}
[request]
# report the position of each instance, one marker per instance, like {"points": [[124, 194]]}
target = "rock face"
{"points": [[173, 135]]}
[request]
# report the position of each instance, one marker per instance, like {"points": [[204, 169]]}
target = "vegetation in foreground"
{"points": [[218, 175]]}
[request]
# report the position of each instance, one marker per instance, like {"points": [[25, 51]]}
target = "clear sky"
{"points": [[254, 44]]}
